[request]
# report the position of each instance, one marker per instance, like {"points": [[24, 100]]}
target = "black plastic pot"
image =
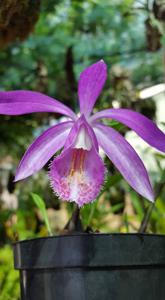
{"points": [[92, 267]]}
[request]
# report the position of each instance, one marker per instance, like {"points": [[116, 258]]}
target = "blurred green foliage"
{"points": [[69, 36], [9, 278]]}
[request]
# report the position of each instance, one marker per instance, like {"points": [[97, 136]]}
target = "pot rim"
{"points": [[90, 250], [98, 234]]}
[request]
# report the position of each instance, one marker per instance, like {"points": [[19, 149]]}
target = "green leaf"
{"points": [[116, 125], [39, 202], [115, 208], [126, 222], [112, 180], [137, 204]]}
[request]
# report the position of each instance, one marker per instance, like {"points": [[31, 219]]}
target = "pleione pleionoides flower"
{"points": [[78, 172]]}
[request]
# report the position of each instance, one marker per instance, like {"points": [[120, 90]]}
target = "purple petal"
{"points": [[143, 126], [77, 175], [124, 157], [90, 85], [42, 149], [81, 122], [24, 102]]}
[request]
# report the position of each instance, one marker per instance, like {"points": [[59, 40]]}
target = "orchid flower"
{"points": [[77, 174]]}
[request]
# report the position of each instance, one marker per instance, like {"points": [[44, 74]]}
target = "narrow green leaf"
{"points": [[126, 222], [112, 180], [39, 202], [137, 204], [115, 208]]}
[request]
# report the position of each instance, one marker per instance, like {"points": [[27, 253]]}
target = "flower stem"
{"points": [[146, 219], [74, 225], [149, 211]]}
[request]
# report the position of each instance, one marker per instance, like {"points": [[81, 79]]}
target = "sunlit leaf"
{"points": [[39, 202]]}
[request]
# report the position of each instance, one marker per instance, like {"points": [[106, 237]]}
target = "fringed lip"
{"points": [[77, 175]]}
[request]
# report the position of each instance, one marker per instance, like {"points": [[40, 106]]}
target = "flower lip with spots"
{"points": [[77, 174]]}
